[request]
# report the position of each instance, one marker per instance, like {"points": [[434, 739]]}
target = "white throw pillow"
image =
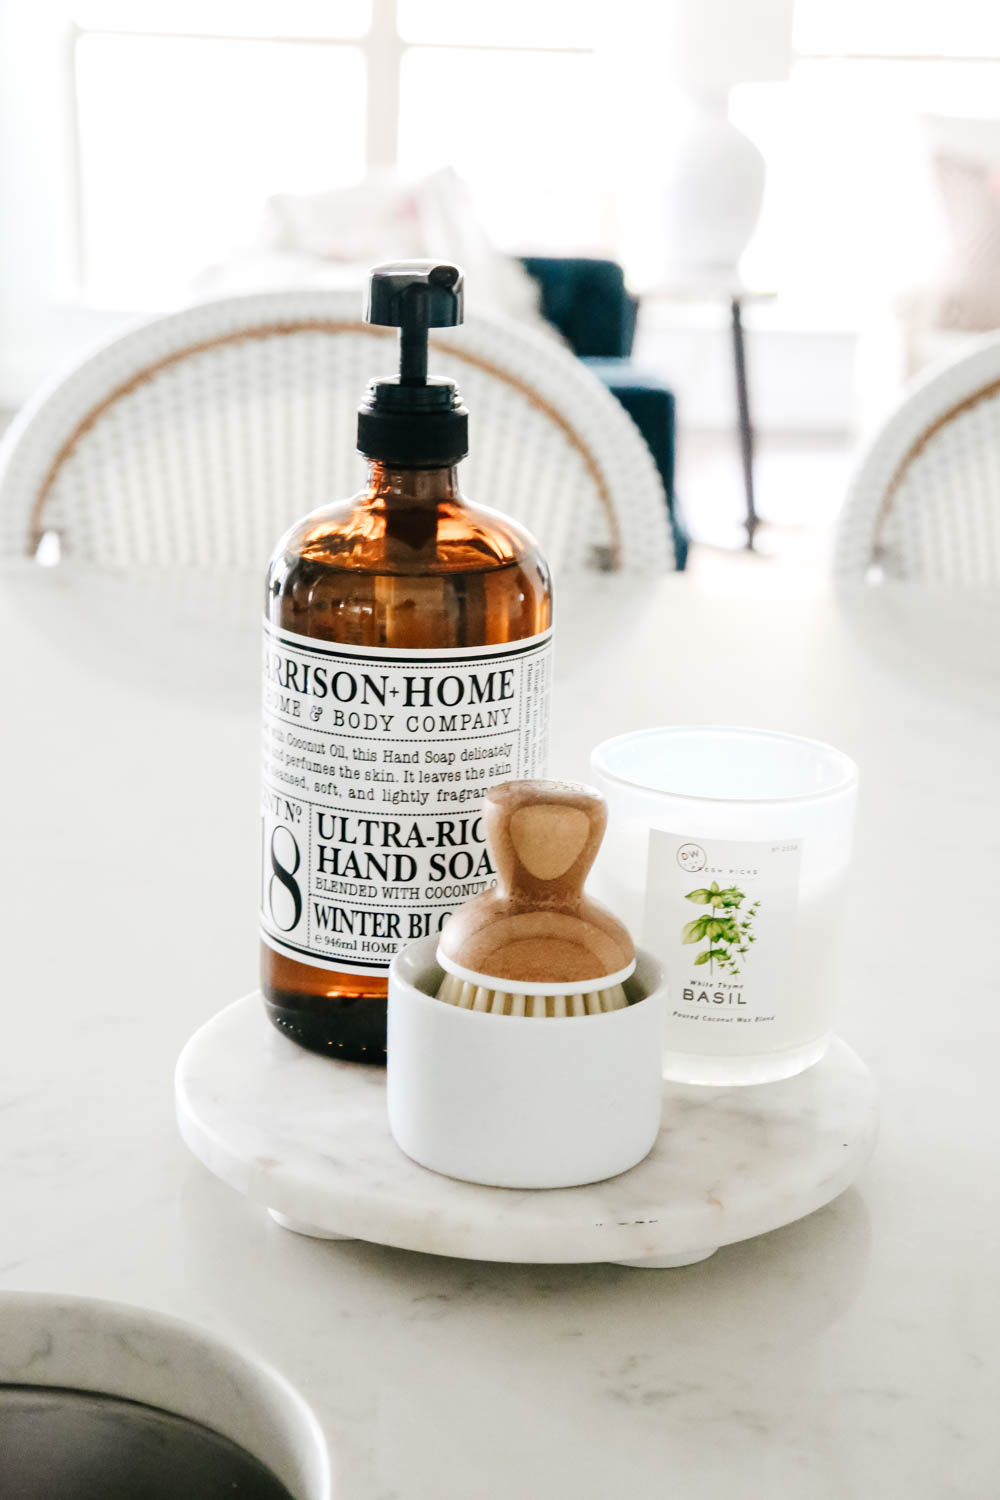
{"points": [[332, 239]]}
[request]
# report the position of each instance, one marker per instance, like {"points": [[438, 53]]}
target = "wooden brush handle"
{"points": [[538, 924], [544, 836]]}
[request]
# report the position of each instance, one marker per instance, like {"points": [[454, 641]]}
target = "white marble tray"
{"points": [[306, 1137]]}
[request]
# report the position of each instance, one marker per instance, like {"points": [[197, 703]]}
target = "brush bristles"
{"points": [[466, 996]]}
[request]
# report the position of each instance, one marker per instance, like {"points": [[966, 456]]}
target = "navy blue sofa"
{"points": [[588, 302]]}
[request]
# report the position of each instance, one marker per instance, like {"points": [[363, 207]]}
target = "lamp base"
{"points": [[712, 189]]}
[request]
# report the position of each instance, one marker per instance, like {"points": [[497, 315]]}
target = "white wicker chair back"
{"points": [[924, 503], [196, 439]]}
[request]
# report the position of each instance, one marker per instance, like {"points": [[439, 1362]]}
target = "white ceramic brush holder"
{"points": [[521, 1102]]}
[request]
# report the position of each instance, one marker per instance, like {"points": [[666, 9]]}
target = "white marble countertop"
{"points": [[848, 1355]]}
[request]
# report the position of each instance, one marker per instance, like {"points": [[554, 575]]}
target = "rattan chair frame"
{"points": [[59, 457]]}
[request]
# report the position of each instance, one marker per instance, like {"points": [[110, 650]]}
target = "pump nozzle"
{"points": [[414, 418], [414, 295]]}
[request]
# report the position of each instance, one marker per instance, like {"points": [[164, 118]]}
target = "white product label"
{"points": [[722, 916], [375, 766]]}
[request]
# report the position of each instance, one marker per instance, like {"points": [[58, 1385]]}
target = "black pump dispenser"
{"points": [[414, 420]]}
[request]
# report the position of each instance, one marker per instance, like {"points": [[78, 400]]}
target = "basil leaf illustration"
{"points": [[731, 927]]}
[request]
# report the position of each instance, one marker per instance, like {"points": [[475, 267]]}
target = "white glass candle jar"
{"points": [[728, 851]]}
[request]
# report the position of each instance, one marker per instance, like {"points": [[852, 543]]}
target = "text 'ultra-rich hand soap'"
{"points": [[406, 670]]}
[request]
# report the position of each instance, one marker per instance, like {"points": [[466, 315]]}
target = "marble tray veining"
{"points": [[307, 1138]]}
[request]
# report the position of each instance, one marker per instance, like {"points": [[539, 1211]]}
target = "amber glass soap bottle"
{"points": [[406, 670]]}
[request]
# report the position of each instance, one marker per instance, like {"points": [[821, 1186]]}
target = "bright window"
{"points": [[261, 18], [558, 24], [182, 138], [190, 113], [520, 127]]}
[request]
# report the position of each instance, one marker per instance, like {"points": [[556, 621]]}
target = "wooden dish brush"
{"points": [[537, 945]]}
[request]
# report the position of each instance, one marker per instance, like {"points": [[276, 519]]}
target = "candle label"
{"points": [[722, 916], [375, 766]]}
